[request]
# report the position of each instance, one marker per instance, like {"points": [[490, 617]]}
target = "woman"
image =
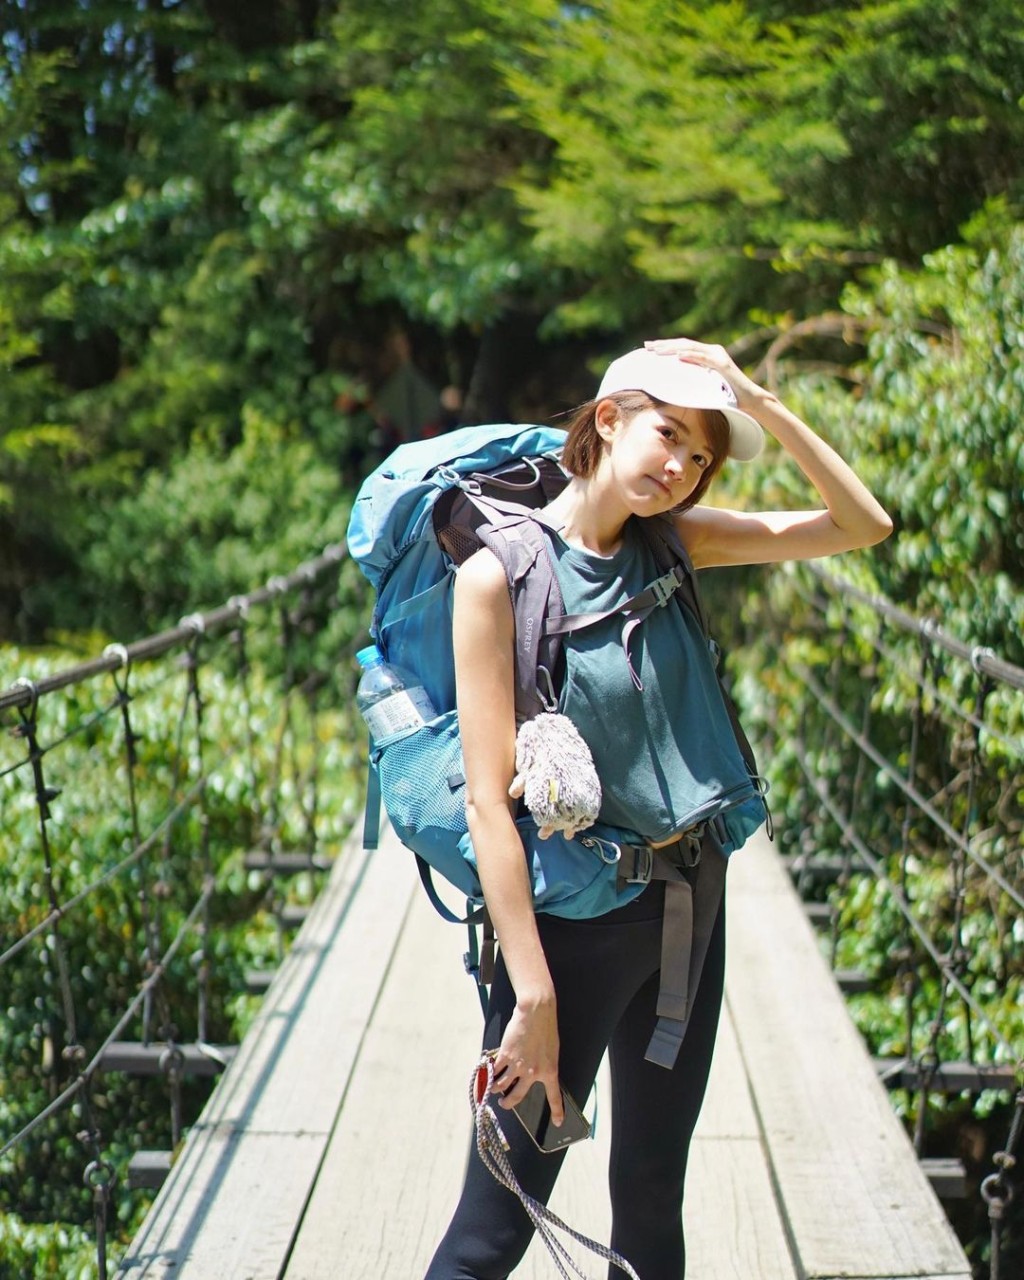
{"points": [[665, 418]]}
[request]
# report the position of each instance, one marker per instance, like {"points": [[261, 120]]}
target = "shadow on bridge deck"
{"points": [[314, 1160]]}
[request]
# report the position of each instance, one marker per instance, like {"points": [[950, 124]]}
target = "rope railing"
{"points": [[114, 903], [903, 786]]}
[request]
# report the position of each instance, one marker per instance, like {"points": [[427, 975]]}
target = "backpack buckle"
{"points": [[664, 588], [607, 850], [643, 864], [690, 845]]}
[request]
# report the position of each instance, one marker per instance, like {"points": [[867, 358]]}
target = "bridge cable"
{"points": [[998, 1191]]}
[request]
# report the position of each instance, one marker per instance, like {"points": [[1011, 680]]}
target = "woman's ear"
{"points": [[607, 419]]}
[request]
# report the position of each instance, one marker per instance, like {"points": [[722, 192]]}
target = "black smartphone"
{"points": [[534, 1114]]}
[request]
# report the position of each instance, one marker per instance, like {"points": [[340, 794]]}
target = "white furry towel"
{"points": [[555, 774]]}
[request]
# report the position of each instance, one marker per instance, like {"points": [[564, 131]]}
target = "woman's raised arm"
{"points": [[852, 517]]}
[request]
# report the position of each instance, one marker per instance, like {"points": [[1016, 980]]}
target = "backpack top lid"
{"points": [[394, 503]]}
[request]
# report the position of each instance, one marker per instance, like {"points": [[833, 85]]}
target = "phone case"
{"points": [[534, 1114]]}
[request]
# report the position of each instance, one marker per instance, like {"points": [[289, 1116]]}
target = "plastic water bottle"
{"points": [[390, 700]]}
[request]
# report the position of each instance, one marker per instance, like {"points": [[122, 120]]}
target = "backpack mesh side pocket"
{"points": [[424, 791]]}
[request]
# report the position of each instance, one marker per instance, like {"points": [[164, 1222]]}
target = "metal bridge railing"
{"points": [[902, 775], [153, 799]]}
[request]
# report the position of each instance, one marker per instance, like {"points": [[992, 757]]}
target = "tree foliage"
{"points": [[206, 220], [935, 424]]}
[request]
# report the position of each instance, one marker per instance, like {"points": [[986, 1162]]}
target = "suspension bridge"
{"points": [[328, 1138]]}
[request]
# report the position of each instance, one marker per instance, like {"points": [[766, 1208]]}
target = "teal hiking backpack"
{"points": [[428, 507], [424, 511]]}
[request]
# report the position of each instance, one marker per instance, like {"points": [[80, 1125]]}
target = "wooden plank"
{"points": [[393, 1170], [855, 1200], [733, 1225], [231, 1204], [134, 1058], [148, 1170], [313, 1158], [733, 1228], [228, 1209], [947, 1077], [307, 1033]]}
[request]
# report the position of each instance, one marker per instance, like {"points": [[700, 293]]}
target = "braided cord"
{"points": [[492, 1147]]}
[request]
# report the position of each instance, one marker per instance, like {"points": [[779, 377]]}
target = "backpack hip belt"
{"points": [[693, 868], [649, 860]]}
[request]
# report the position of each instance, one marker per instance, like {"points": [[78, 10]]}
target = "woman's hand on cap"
{"points": [[713, 356]]}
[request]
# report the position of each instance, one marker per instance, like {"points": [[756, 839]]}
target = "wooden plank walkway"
{"points": [[313, 1159]]}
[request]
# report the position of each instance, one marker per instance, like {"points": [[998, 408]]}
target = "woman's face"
{"points": [[657, 456]]}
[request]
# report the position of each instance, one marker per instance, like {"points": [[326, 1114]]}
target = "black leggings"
{"points": [[606, 974]]}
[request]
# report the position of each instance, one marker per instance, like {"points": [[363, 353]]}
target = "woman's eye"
{"points": [[700, 460]]}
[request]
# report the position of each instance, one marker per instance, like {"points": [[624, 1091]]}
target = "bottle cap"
{"points": [[370, 656]]}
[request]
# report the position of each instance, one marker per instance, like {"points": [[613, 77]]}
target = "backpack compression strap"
{"points": [[691, 910], [636, 610]]}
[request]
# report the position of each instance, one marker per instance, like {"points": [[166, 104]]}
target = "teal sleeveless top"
{"points": [[665, 753]]}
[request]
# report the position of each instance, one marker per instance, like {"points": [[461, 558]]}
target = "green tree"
{"points": [[394, 182], [680, 133], [137, 306], [717, 161], [209, 218], [928, 96], [931, 411]]}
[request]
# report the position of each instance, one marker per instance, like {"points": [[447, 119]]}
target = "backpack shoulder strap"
{"points": [[520, 544]]}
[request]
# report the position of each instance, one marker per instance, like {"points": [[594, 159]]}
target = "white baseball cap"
{"points": [[687, 386]]}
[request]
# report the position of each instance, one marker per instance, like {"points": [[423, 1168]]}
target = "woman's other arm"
{"points": [[484, 640]]}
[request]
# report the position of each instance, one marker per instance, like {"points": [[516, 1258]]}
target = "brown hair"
{"points": [[582, 450]]}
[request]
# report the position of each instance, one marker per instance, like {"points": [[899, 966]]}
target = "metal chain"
{"points": [[298, 623], [100, 1178], [201, 956], [28, 729], [958, 952], [151, 947], [284, 724], [172, 1064], [162, 886], [311, 784], [492, 1148], [239, 638], [306, 788], [904, 954], [997, 1191], [957, 955], [99, 1175]]}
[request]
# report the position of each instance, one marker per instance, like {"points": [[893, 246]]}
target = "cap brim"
{"points": [[746, 437]]}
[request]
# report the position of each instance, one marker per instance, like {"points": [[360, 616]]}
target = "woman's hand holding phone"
{"points": [[528, 1056]]}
